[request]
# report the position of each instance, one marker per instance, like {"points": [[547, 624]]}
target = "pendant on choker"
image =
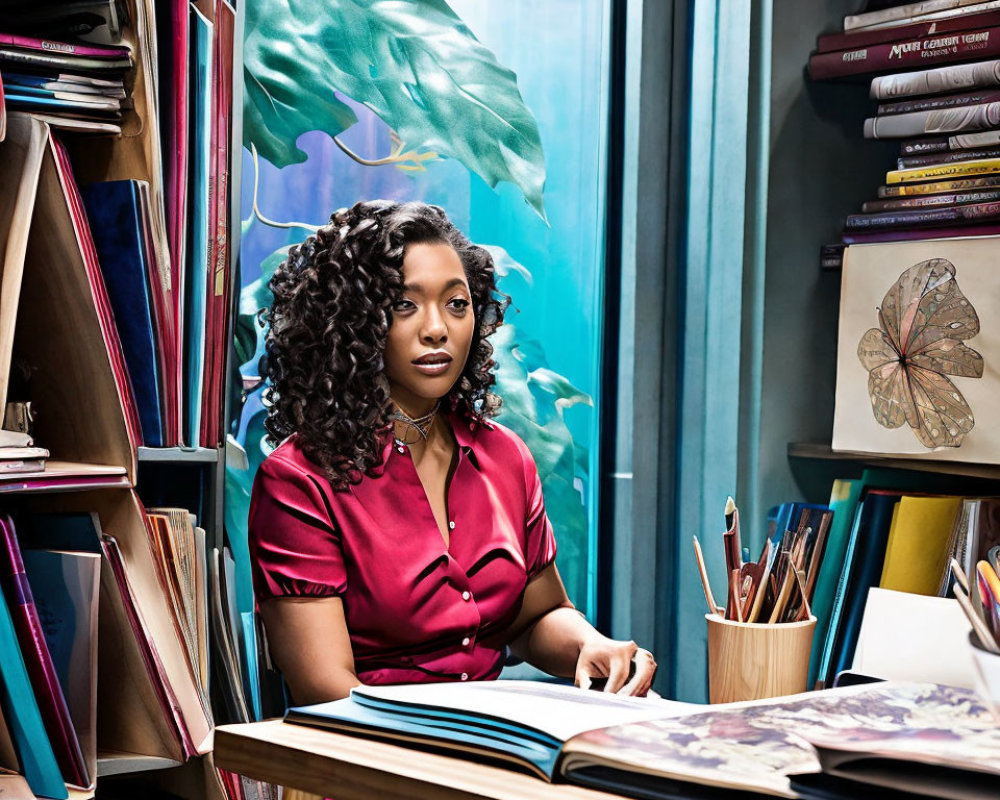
{"points": [[421, 425]]}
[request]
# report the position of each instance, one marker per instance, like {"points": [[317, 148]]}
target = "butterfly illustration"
{"points": [[923, 321]]}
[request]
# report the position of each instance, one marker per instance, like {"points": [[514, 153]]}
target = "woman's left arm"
{"points": [[552, 635]]}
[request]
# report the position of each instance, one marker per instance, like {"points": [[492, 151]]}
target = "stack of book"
{"points": [[893, 531], [74, 86], [945, 110], [155, 194]]}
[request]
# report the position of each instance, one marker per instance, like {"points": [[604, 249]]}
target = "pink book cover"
{"points": [[64, 48], [109, 330], [175, 167], [218, 277], [151, 658], [41, 670]]}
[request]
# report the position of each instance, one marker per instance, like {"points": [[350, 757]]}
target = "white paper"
{"points": [[913, 637]]}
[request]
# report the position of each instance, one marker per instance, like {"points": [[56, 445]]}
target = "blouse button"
{"points": [[465, 641], [466, 596], [451, 524], [465, 676]]}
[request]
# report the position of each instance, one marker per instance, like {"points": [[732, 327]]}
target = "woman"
{"points": [[397, 535]]}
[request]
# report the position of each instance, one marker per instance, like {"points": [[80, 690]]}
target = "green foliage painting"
{"points": [[358, 99], [414, 64]]}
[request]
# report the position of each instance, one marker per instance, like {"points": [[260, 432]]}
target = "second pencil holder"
{"points": [[751, 661]]}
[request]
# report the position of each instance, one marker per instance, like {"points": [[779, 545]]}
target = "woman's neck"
{"points": [[415, 421]]}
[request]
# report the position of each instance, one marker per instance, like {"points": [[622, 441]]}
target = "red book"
{"points": [[42, 672], [96, 280], [829, 42], [217, 297], [176, 23], [917, 234], [928, 51]]}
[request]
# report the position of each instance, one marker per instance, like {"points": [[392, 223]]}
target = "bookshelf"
{"points": [[819, 169], [64, 349]]}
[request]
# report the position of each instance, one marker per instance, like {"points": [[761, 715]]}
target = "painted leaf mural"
{"points": [[415, 64], [924, 320]]}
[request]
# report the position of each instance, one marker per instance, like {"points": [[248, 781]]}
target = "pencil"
{"points": [[709, 598]]}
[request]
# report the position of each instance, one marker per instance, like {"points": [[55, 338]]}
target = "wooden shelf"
{"points": [[66, 476], [179, 455], [118, 763], [826, 453]]}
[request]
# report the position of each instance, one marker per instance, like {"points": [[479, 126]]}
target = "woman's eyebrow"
{"points": [[418, 288]]}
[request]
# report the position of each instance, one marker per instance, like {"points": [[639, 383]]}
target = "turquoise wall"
{"points": [[558, 51]]}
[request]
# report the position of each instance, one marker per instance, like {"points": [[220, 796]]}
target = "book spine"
{"points": [[967, 141], [948, 120], [63, 48], [949, 157], [904, 12], [984, 166], [919, 234], [940, 187], [941, 80], [938, 145], [945, 49], [923, 217], [848, 41], [931, 201], [936, 103]]}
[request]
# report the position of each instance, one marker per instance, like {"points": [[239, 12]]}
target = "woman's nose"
{"points": [[434, 328]]}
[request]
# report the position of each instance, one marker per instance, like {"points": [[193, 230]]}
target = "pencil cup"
{"points": [[987, 674], [751, 661]]}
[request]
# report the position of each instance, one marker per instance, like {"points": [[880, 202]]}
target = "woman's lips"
{"points": [[433, 364]]}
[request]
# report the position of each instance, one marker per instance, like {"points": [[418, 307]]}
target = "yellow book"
{"points": [[918, 544], [940, 187], [982, 166]]}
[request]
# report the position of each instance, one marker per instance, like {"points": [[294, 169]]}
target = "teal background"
{"points": [[559, 52]]}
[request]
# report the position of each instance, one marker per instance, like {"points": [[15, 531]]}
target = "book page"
{"points": [[557, 710]]}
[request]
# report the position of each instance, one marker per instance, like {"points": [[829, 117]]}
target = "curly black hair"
{"points": [[331, 313]]}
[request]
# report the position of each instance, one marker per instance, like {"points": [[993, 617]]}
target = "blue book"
{"points": [[843, 502], [863, 559], [196, 280], [114, 210], [20, 710], [868, 560]]}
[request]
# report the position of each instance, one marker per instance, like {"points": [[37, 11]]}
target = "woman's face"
{"points": [[432, 327]]}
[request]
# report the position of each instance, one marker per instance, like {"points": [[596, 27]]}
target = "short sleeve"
{"points": [[540, 541], [295, 547]]}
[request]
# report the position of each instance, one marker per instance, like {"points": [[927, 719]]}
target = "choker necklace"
{"points": [[420, 424]]}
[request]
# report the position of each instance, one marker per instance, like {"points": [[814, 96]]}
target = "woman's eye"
{"points": [[458, 304], [403, 305]]}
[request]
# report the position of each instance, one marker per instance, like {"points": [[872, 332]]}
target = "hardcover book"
{"points": [[661, 749], [981, 116], [952, 78], [850, 40], [936, 49]]}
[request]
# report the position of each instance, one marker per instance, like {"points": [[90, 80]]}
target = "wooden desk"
{"points": [[352, 768]]}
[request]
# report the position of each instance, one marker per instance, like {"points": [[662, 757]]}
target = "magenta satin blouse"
{"points": [[416, 610]]}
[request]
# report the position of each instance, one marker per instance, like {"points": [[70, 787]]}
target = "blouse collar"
{"points": [[465, 432]]}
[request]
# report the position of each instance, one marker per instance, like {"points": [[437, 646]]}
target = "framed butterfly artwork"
{"points": [[918, 350]]}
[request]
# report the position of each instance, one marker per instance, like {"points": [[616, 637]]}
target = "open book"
{"points": [[932, 740]]}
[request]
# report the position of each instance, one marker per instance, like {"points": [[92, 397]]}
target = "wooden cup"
{"points": [[751, 661]]}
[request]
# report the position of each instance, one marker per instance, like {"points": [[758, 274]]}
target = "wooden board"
{"points": [[353, 768]]}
